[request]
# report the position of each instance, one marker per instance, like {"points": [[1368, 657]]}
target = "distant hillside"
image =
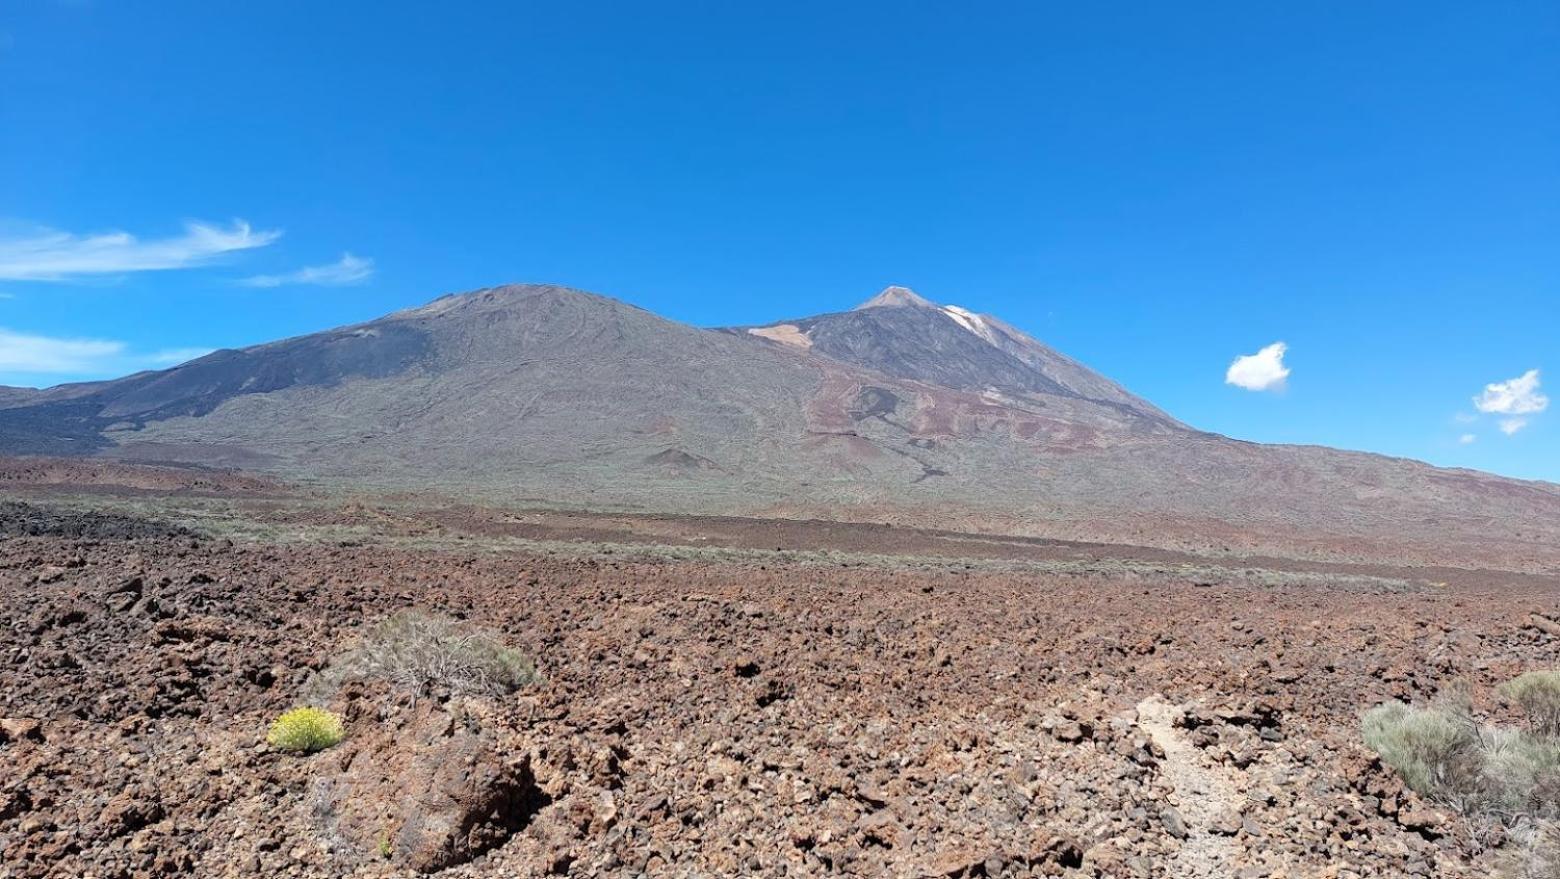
{"points": [[901, 410]]}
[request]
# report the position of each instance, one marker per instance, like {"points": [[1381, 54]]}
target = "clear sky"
{"points": [[1153, 188]]}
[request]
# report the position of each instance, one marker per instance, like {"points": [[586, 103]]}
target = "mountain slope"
{"points": [[904, 335], [894, 412]]}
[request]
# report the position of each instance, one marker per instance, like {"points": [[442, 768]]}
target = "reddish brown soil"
{"points": [[720, 718], [811, 535], [77, 474]]}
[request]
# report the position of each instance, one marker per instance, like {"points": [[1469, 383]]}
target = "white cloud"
{"points": [[24, 354], [20, 352], [1518, 396], [1509, 426], [176, 356], [1467, 439], [1262, 371], [347, 270], [50, 255]]}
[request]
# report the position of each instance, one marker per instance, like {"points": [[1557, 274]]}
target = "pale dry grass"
{"points": [[430, 655]]}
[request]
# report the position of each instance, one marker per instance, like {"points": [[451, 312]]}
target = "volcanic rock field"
{"points": [[758, 714]]}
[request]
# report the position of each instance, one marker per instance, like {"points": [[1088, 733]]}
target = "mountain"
{"points": [[904, 335], [898, 411]]}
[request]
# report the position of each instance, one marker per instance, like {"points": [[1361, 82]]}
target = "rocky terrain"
{"points": [[899, 591], [769, 715], [88, 474]]}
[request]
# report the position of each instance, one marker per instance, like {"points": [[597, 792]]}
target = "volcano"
{"points": [[900, 410]]}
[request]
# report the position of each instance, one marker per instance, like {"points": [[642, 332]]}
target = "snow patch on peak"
{"points": [[973, 322]]}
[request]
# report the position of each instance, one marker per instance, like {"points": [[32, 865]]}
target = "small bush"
{"points": [[427, 654], [1506, 777], [1536, 857], [305, 730], [1436, 754], [1523, 773], [1538, 692]]}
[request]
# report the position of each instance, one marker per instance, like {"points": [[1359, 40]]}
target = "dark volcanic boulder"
{"points": [[428, 790]]}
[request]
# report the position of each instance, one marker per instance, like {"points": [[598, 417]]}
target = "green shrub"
{"points": [[427, 654], [1436, 753], [1523, 772], [1509, 777], [306, 730], [1538, 692]]}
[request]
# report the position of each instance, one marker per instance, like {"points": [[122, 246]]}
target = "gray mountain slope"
{"points": [[902, 334], [527, 394]]}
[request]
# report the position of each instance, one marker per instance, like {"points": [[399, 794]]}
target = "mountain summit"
{"points": [[903, 411], [903, 334], [897, 297]]}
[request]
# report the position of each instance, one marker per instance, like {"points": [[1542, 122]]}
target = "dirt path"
{"points": [[1202, 793]]}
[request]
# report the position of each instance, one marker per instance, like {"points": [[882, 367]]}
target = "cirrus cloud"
{"points": [[1262, 371], [51, 255], [25, 355], [175, 356], [21, 352], [347, 270]]}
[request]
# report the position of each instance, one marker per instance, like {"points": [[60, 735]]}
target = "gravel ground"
{"points": [[723, 717]]}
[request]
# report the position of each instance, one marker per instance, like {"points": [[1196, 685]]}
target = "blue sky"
{"points": [[1153, 188]]}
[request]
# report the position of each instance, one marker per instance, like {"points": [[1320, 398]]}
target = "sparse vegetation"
{"points": [[1538, 692], [1539, 856], [305, 730], [1495, 775], [1432, 749], [426, 654]]}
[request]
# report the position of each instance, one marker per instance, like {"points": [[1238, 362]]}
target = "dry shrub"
{"points": [[1524, 774], [1505, 776], [1536, 857], [427, 655], [1432, 749], [1538, 692]]}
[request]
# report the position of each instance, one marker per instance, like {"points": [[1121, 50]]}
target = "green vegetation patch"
{"points": [[305, 730], [1495, 776]]}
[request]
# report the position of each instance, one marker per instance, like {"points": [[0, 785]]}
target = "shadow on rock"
{"points": [[432, 787]]}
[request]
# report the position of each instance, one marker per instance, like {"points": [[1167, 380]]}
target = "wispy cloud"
{"points": [[51, 255], [26, 354], [20, 352], [1467, 439], [176, 356], [343, 272], [1509, 426], [1262, 371]]}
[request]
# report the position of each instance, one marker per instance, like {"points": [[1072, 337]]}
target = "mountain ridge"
{"points": [[903, 334], [896, 412]]}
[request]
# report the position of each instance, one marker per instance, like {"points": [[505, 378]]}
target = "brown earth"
{"points": [[761, 715], [21, 472]]}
